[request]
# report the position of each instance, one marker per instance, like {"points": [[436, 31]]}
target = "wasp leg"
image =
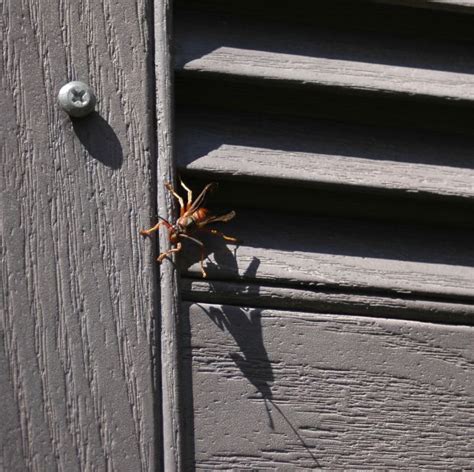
{"points": [[222, 235], [189, 192], [167, 253], [180, 200], [200, 243], [147, 232]]}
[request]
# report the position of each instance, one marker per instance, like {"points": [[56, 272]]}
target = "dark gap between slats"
{"points": [[406, 20], [334, 200], [216, 92]]}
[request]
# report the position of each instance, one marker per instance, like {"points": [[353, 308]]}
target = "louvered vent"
{"points": [[342, 134]]}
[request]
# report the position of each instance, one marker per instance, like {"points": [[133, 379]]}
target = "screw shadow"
{"points": [[99, 139]]}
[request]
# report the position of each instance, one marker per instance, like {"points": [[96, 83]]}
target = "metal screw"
{"points": [[77, 99]]}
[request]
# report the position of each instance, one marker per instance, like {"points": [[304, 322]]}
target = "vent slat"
{"points": [[356, 255], [326, 152], [358, 61]]}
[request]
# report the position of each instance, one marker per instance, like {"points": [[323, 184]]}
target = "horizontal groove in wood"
{"points": [[350, 255], [363, 304], [326, 391], [358, 61], [313, 151]]}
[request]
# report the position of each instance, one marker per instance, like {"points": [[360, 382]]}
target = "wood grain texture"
{"points": [[347, 254], [326, 301], [277, 390], [357, 61], [325, 152], [170, 297], [78, 290]]}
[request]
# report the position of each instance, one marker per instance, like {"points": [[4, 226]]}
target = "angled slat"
{"points": [[299, 391], [371, 62], [357, 255], [326, 152]]}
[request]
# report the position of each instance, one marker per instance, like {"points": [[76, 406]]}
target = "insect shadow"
{"points": [[245, 326], [223, 253]]}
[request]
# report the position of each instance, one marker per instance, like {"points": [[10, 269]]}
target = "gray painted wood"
{"points": [[356, 61], [326, 301], [283, 390], [171, 409], [323, 152], [78, 286], [291, 111], [299, 250]]}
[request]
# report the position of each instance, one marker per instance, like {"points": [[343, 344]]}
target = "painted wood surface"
{"points": [[78, 283], [172, 439], [339, 135], [302, 152], [318, 299], [282, 390], [351, 255], [427, 68]]}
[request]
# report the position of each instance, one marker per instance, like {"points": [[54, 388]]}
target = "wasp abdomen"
{"points": [[200, 214], [188, 223]]}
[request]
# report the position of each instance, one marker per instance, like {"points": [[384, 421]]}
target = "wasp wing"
{"points": [[214, 219], [200, 198]]}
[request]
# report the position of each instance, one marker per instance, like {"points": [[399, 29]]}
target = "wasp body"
{"points": [[192, 217]]}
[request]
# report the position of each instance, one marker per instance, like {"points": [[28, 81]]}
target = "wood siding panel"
{"points": [[278, 390], [78, 291]]}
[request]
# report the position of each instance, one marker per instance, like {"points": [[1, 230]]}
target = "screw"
{"points": [[77, 99]]}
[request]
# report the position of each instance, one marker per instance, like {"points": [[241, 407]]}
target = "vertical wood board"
{"points": [[78, 291], [170, 387]]}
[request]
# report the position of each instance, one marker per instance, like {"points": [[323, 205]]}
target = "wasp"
{"points": [[192, 217]]}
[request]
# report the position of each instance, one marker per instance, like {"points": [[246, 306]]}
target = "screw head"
{"points": [[77, 98]]}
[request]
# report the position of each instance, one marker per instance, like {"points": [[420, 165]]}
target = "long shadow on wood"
{"points": [[245, 326]]}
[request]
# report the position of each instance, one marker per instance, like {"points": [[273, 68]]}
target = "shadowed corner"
{"points": [[99, 139]]}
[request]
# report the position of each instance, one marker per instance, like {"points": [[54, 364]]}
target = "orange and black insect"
{"points": [[192, 217]]}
